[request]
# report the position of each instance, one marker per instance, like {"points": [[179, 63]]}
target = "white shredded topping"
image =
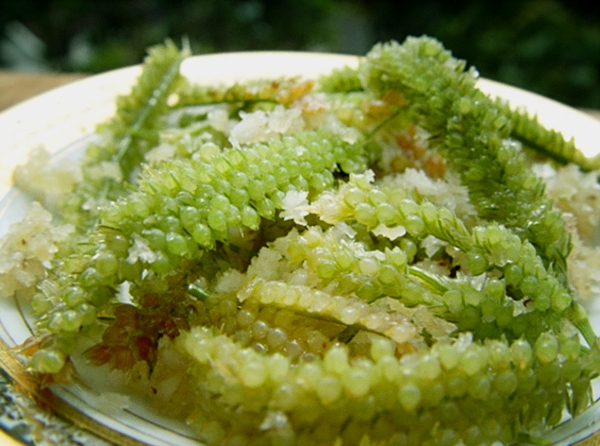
{"points": [[140, 251], [295, 206], [261, 126], [432, 245], [106, 169], [390, 233]]}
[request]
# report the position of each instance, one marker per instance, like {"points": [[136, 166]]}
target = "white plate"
{"points": [[63, 121]]}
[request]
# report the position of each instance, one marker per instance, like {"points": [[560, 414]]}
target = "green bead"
{"points": [[477, 262], [138, 207], [118, 245], [414, 225], [506, 382], [176, 244], [239, 197], [71, 321], [189, 216], [217, 221], [546, 347], [74, 296], [250, 218], [265, 207], [161, 264], [513, 274], [256, 189], [40, 303], [90, 278], [106, 264], [387, 214], [560, 300], [202, 235], [530, 285], [366, 214], [522, 353], [409, 397], [220, 202], [156, 238], [496, 289], [355, 196], [48, 361], [326, 269]]}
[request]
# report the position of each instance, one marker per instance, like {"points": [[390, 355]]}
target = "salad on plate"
{"points": [[383, 255]]}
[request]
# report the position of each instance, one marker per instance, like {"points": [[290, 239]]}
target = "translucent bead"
{"points": [[316, 341], [473, 360], [250, 217], [350, 314], [176, 243], [48, 361], [355, 196], [161, 263], [336, 360], [239, 196], [208, 151], [170, 223], [356, 382], [456, 385], [292, 349], [326, 269], [329, 389], [546, 347], [278, 367], [138, 207], [286, 396], [366, 214], [477, 262], [155, 237], [244, 318], [260, 329], [40, 303], [429, 368], [522, 353], [71, 321], [369, 266], [310, 373], [343, 258], [291, 296], [217, 221], [253, 374], [74, 296], [202, 234], [409, 396], [506, 382], [449, 357], [479, 387], [276, 338]]}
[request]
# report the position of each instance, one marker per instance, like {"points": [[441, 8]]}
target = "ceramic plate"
{"points": [[63, 121]]}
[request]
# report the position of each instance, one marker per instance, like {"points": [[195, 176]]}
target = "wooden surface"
{"points": [[16, 86]]}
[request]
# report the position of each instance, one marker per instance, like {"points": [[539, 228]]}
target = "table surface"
{"points": [[17, 86]]}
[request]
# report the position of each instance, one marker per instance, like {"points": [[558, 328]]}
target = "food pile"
{"points": [[385, 255]]}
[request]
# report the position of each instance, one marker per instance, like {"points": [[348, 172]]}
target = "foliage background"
{"points": [[548, 46]]}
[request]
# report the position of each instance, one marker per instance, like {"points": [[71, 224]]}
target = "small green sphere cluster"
{"points": [[258, 243]]}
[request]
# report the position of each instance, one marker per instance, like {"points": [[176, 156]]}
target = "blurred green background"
{"points": [[548, 46]]}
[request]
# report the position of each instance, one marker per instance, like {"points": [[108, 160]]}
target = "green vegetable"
{"points": [[299, 286]]}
